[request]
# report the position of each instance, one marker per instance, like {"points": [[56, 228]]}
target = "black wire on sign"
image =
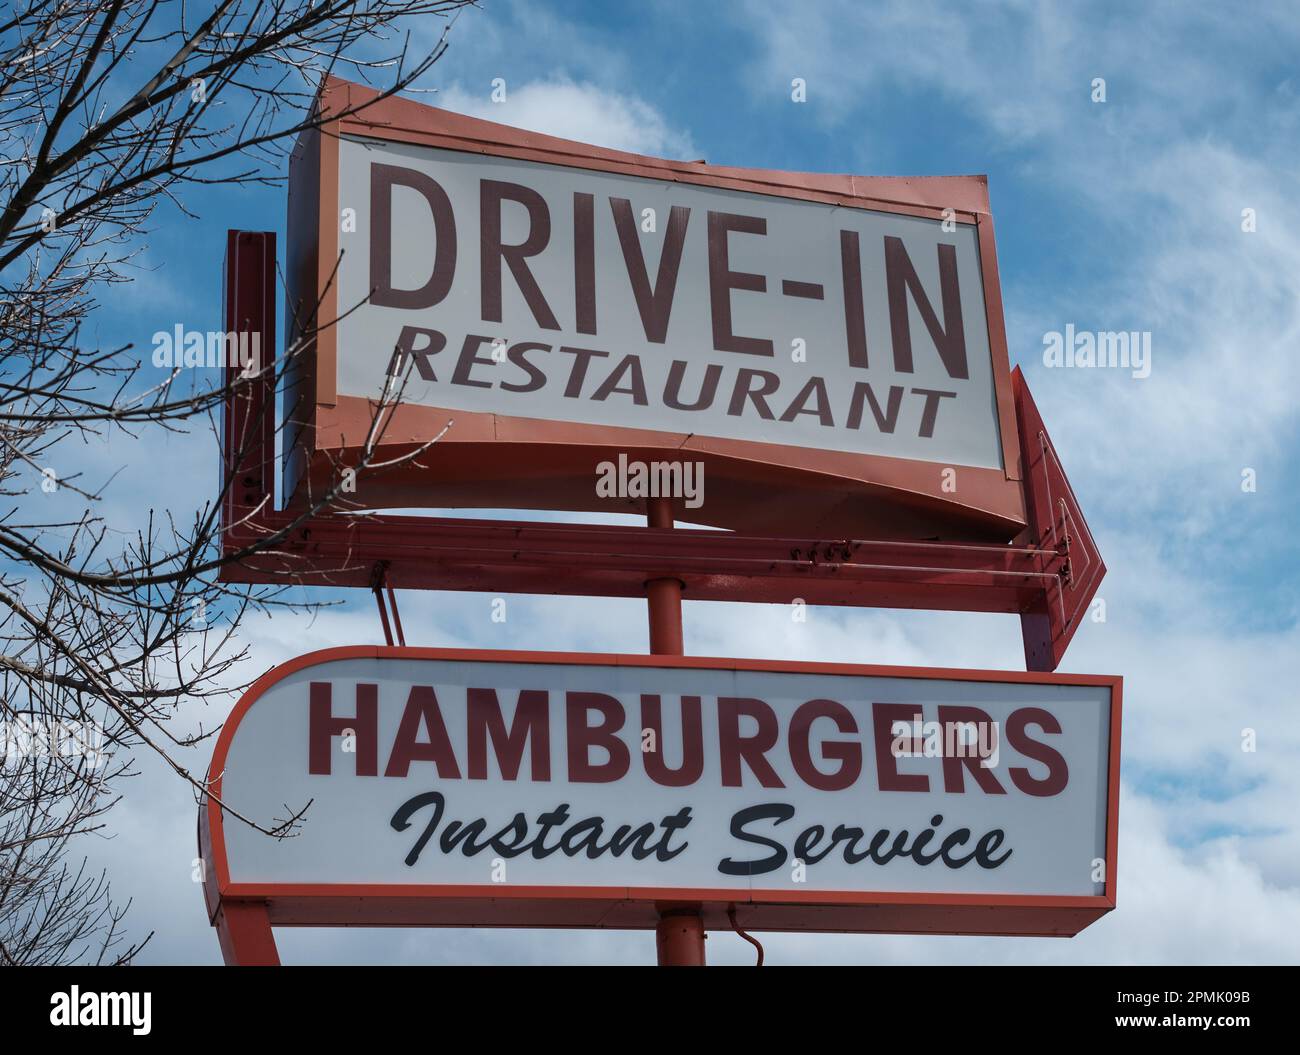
{"points": [[731, 915]]}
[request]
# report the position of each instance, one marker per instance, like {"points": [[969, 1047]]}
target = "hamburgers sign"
{"points": [[505, 788]]}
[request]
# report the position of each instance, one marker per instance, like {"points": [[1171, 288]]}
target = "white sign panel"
{"points": [[474, 772], [545, 292]]}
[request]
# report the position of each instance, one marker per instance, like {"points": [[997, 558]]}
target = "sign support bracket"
{"points": [[379, 583], [1049, 586]]}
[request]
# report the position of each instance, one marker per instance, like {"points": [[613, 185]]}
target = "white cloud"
{"points": [[1152, 201], [572, 110]]}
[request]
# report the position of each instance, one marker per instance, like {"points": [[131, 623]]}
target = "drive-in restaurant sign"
{"points": [[840, 336], [579, 790]]}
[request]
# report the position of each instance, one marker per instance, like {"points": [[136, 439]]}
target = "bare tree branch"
{"points": [[115, 634]]}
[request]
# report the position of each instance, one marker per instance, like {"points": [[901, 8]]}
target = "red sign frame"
{"points": [[830, 492], [244, 913]]}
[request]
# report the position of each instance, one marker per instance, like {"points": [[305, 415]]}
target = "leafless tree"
{"points": [[110, 111]]}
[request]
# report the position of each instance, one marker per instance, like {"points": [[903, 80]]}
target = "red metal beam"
{"points": [[248, 433], [598, 560], [1050, 621], [245, 935]]}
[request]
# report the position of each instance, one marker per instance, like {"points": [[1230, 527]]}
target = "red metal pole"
{"points": [[679, 936], [244, 931], [664, 595]]}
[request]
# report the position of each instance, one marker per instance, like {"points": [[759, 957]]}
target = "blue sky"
{"points": [[1117, 215]]}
